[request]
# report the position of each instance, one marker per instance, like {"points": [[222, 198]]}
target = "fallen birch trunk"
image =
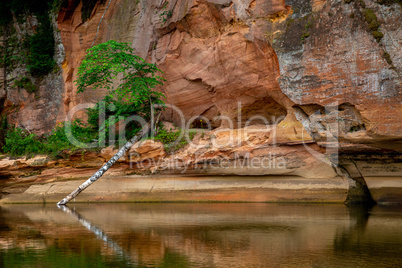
{"points": [[106, 166]]}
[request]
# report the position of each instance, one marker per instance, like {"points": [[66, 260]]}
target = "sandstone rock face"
{"points": [[36, 111], [210, 61], [219, 55], [148, 149], [77, 37], [228, 61], [217, 68], [305, 73], [341, 62]]}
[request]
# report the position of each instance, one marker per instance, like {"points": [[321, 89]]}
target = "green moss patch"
{"points": [[373, 23], [174, 140], [27, 84], [39, 47]]}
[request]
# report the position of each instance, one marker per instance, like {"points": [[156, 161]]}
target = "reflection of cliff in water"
{"points": [[208, 235], [369, 239]]}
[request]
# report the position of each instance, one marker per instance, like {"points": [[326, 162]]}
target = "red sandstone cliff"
{"points": [[215, 54], [295, 62]]}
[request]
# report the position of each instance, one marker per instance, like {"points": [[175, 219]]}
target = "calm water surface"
{"points": [[199, 235]]}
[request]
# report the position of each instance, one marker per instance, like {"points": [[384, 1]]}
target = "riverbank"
{"points": [[204, 172], [176, 188]]}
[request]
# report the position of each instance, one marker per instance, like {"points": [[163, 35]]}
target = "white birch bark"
{"points": [[106, 166]]}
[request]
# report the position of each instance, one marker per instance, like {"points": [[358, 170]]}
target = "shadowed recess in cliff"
{"points": [[264, 111], [345, 116], [68, 6]]}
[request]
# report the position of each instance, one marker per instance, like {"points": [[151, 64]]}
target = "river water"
{"points": [[200, 235]]}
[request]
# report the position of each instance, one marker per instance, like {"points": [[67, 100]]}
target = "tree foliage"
{"points": [[40, 45], [41, 48], [130, 82], [7, 8], [105, 62], [20, 142]]}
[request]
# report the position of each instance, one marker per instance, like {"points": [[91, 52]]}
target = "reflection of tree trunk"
{"points": [[100, 234], [106, 166]]}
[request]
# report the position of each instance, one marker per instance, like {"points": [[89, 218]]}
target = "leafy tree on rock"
{"points": [[135, 93]]}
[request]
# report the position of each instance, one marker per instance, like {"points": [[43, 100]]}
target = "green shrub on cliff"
{"points": [[174, 140], [41, 48], [40, 45], [59, 139], [373, 23], [19, 142], [18, 7], [27, 84]]}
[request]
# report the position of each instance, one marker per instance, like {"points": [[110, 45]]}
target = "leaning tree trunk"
{"points": [[106, 166]]}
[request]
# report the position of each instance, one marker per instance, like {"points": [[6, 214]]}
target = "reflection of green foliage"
{"points": [[173, 259], [54, 256]]}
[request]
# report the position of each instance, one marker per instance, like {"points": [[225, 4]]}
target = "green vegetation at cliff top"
{"points": [[40, 45]]}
